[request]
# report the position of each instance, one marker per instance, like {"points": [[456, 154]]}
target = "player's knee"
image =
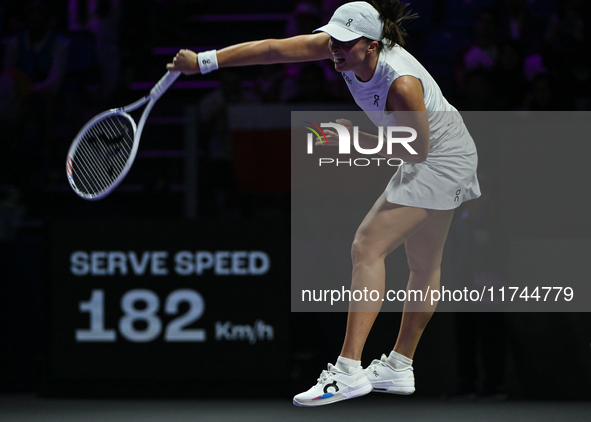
{"points": [[423, 267], [357, 250], [362, 251]]}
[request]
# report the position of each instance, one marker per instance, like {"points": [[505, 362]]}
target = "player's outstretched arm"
{"points": [[301, 48]]}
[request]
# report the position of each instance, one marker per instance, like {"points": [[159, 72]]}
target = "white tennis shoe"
{"points": [[333, 386], [385, 379]]}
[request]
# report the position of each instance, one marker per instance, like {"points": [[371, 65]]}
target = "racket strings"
{"points": [[95, 165], [102, 154]]}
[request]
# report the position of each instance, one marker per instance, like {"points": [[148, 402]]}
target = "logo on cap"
{"points": [[349, 22]]}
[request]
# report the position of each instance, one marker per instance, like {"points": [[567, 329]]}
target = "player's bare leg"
{"points": [[385, 227], [394, 373], [424, 251]]}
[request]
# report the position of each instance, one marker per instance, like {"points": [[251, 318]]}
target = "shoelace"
{"points": [[380, 362], [324, 376]]}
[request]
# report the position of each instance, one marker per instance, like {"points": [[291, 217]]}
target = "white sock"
{"points": [[347, 365], [398, 361]]}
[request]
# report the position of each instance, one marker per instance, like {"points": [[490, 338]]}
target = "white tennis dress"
{"points": [[448, 176]]}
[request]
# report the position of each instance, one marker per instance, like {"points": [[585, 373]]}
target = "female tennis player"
{"points": [[364, 40]]}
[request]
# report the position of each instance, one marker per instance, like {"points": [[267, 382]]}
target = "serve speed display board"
{"points": [[133, 300]]}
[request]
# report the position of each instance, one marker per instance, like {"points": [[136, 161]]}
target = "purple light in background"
{"points": [[260, 17]]}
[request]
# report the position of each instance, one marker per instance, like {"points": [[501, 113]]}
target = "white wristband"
{"points": [[208, 61]]}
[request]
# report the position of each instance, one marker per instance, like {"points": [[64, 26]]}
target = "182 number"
{"points": [[175, 331]]}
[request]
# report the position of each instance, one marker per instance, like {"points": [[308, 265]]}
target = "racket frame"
{"points": [[156, 92]]}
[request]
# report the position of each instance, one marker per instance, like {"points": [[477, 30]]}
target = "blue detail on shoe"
{"points": [[324, 396]]}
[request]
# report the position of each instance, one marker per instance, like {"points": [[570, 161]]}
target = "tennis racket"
{"points": [[103, 151]]}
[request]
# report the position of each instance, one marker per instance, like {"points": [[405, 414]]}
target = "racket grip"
{"points": [[164, 83]]}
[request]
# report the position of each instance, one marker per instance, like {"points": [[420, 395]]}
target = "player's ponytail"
{"points": [[394, 15]]}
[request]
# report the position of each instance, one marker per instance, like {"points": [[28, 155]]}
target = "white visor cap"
{"points": [[354, 20]]}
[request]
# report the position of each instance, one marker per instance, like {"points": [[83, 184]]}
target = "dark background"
{"points": [[534, 192]]}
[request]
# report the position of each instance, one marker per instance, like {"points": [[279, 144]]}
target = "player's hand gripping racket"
{"points": [[103, 151]]}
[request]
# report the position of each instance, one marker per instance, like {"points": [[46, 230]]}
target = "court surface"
{"points": [[374, 407]]}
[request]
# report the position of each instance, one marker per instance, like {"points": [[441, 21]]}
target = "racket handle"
{"points": [[164, 83]]}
